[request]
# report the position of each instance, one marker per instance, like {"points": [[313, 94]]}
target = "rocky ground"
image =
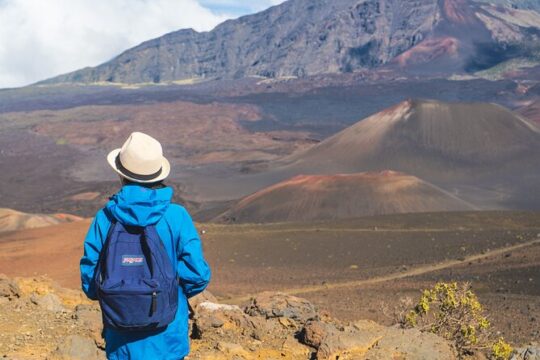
{"points": [[355, 269], [40, 320]]}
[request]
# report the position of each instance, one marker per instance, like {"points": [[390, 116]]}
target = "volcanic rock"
{"points": [[366, 339], [225, 332], [76, 347], [279, 305], [49, 301], [227, 321]]}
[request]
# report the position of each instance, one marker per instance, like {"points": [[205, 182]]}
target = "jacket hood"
{"points": [[137, 205]]}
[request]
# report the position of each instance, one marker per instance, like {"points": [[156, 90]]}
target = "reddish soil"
{"points": [[428, 50], [54, 251], [326, 197]]}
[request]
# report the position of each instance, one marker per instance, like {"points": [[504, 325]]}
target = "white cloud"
{"points": [[43, 38], [239, 7]]}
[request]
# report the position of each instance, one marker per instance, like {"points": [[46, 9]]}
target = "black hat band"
{"points": [[132, 174]]}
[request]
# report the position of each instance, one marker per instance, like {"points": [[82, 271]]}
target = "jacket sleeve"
{"points": [[192, 269], [93, 244]]}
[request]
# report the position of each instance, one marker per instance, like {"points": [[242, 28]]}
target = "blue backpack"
{"points": [[136, 282]]}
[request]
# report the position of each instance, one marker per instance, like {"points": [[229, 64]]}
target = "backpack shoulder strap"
{"points": [[104, 249], [151, 235]]}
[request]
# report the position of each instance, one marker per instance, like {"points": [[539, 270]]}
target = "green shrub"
{"points": [[454, 312]]}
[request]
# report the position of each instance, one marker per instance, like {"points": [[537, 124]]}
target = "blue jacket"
{"points": [[140, 206]]}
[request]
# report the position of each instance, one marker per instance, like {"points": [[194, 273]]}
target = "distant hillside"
{"points": [[424, 136], [482, 149], [11, 220], [308, 37], [324, 197]]}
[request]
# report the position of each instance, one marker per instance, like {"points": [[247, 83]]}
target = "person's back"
{"points": [[141, 203]]}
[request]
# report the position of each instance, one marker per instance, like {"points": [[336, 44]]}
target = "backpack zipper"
{"points": [[154, 302]]}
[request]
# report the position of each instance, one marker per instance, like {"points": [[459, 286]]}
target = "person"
{"points": [[145, 200]]}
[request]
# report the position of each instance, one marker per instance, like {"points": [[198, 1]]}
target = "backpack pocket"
{"points": [[137, 305]]}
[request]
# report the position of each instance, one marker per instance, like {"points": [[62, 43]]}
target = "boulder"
{"points": [[368, 340], [49, 301], [314, 333], [333, 341], [279, 305], [78, 347], [397, 343], [226, 321]]}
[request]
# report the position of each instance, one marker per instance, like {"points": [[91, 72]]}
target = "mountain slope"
{"points": [[484, 153], [416, 132], [308, 37], [323, 197]]}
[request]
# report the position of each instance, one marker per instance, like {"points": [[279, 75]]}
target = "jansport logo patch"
{"points": [[132, 260]]}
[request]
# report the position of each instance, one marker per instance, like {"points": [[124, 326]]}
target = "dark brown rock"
{"points": [[314, 333]]}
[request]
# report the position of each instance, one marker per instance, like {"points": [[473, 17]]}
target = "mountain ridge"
{"points": [[301, 38]]}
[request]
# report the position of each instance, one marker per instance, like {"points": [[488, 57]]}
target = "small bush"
{"points": [[454, 312], [501, 350]]}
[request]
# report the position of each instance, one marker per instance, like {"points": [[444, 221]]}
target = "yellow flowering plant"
{"points": [[453, 311]]}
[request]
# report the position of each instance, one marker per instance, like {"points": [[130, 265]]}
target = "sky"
{"points": [[43, 38]]}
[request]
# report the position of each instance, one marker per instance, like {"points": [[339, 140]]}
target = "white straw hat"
{"points": [[140, 159]]}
